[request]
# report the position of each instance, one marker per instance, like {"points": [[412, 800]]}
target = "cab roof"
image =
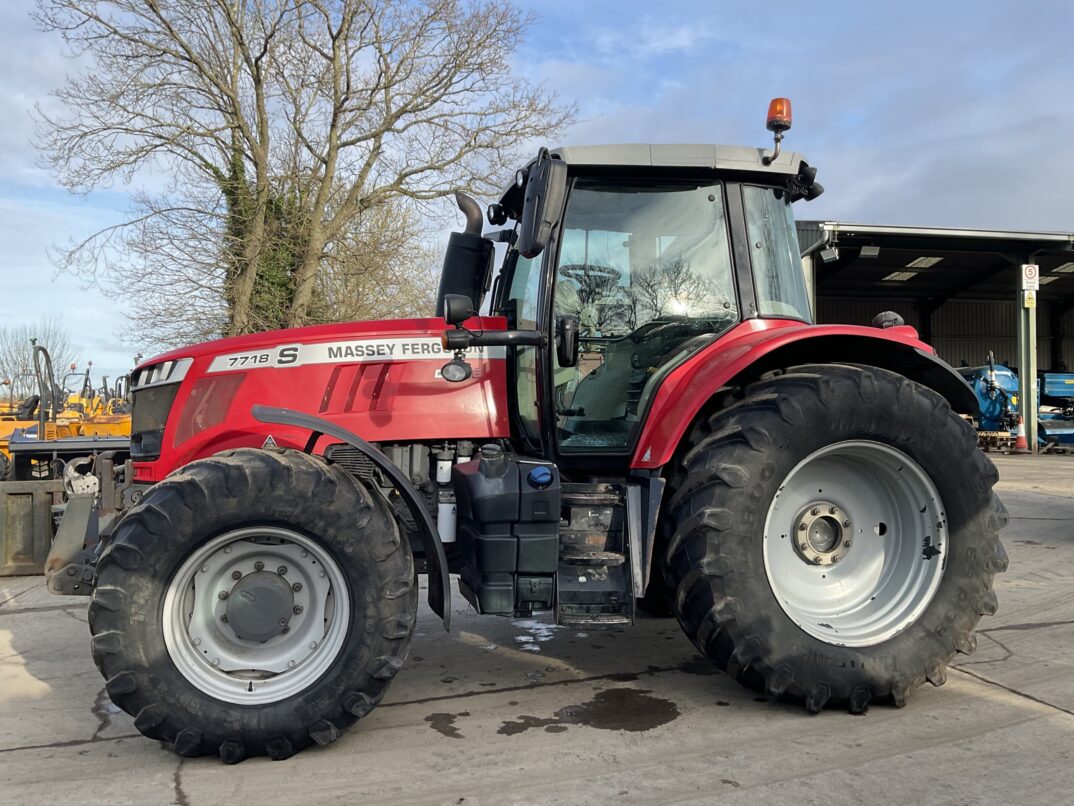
{"points": [[680, 155]]}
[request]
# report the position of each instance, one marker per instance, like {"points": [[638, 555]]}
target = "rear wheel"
{"points": [[834, 536], [251, 604]]}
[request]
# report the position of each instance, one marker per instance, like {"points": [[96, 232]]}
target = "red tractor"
{"points": [[647, 418]]}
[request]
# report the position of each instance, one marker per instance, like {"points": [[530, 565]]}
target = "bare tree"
{"points": [[289, 130], [672, 288], [16, 356]]}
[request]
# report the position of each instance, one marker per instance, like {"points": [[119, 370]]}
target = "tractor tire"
{"points": [[251, 604], [835, 537]]}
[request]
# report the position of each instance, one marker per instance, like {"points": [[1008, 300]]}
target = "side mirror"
{"points": [[457, 309], [546, 188], [567, 341]]}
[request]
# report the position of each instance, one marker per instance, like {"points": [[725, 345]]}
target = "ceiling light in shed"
{"points": [[923, 262], [900, 276], [870, 251], [1066, 268], [1048, 279]]}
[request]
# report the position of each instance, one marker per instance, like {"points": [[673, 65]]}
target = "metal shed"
{"points": [[961, 289]]}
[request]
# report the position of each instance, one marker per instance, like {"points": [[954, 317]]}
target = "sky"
{"points": [[924, 113]]}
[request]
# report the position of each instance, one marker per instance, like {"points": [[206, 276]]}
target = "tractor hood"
{"points": [[379, 379]]}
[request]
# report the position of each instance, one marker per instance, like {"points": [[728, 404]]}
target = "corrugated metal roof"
{"points": [[940, 232]]}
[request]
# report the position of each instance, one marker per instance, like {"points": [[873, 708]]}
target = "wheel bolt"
{"points": [[296, 587], [297, 609], [222, 595], [846, 524], [313, 644], [236, 574], [204, 569], [283, 622], [259, 566], [835, 558], [290, 664], [285, 631], [831, 510], [814, 511], [847, 543], [216, 661], [817, 560], [197, 642], [281, 570], [801, 527], [803, 546], [223, 618]]}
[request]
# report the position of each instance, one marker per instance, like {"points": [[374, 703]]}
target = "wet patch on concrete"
{"points": [[104, 709], [445, 723], [699, 665], [619, 709], [534, 634]]}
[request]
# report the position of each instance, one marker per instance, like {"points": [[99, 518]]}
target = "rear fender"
{"points": [[439, 582], [755, 348]]}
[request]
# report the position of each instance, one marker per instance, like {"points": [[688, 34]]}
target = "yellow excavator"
{"points": [[40, 434]]}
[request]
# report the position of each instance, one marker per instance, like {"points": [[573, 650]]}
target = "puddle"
{"points": [[626, 709], [699, 665], [445, 724]]}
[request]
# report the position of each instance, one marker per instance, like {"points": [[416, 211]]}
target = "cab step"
{"points": [[596, 621], [605, 558], [594, 587]]}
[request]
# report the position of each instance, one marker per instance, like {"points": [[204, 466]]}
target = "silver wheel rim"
{"points": [[855, 543], [209, 653]]}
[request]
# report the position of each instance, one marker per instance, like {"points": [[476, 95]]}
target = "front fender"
{"points": [[439, 581], [757, 346]]}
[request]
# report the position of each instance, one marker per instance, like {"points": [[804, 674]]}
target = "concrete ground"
{"points": [[520, 711]]}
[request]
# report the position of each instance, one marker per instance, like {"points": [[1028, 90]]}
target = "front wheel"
{"points": [[251, 604], [835, 536]]}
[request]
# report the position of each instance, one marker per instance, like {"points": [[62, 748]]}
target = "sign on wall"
{"points": [[1030, 277]]}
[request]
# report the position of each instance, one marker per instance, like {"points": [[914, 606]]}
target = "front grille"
{"points": [[149, 413], [350, 459]]}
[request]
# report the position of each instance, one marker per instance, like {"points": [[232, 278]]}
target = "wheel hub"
{"points": [[823, 533], [254, 615], [259, 606], [855, 579]]}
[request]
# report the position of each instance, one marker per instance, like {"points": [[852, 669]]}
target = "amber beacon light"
{"points": [[779, 121]]}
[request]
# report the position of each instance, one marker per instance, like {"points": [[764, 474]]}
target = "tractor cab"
{"points": [[622, 262]]}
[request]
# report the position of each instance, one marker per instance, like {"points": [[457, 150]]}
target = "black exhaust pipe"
{"points": [[472, 210], [468, 259]]}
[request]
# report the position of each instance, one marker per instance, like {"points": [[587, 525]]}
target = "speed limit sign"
{"points": [[1030, 277]]}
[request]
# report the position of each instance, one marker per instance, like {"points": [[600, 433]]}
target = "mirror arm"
{"points": [[461, 338]]}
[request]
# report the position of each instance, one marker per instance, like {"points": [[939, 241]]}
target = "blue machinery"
{"points": [[997, 390]]}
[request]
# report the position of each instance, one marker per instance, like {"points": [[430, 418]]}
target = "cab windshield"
{"points": [[646, 271]]}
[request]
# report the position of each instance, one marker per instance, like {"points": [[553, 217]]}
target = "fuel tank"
{"points": [[380, 379]]}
